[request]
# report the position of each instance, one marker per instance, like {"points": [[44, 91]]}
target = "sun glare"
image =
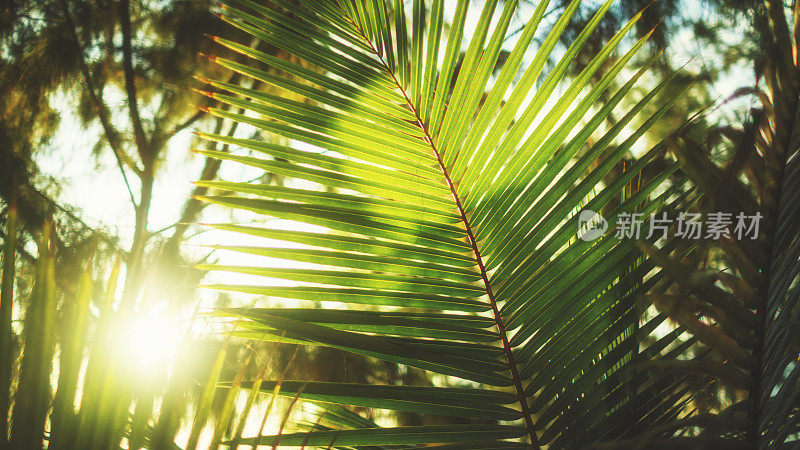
{"points": [[149, 341]]}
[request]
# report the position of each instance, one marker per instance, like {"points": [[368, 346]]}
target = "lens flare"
{"points": [[148, 341]]}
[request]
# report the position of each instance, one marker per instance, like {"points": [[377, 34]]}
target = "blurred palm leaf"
{"points": [[748, 289], [443, 203]]}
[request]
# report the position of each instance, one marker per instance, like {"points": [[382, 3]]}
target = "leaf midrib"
{"points": [[501, 330]]}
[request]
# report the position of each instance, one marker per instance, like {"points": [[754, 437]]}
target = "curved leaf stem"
{"points": [[501, 329]]}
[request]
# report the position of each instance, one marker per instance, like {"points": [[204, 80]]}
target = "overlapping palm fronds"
{"points": [[747, 289], [442, 206]]}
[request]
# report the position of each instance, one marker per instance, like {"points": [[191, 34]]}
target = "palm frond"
{"points": [[738, 297], [444, 219]]}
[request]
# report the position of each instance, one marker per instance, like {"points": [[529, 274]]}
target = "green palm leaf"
{"points": [[445, 218]]}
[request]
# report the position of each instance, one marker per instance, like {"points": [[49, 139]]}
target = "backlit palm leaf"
{"points": [[446, 218]]}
